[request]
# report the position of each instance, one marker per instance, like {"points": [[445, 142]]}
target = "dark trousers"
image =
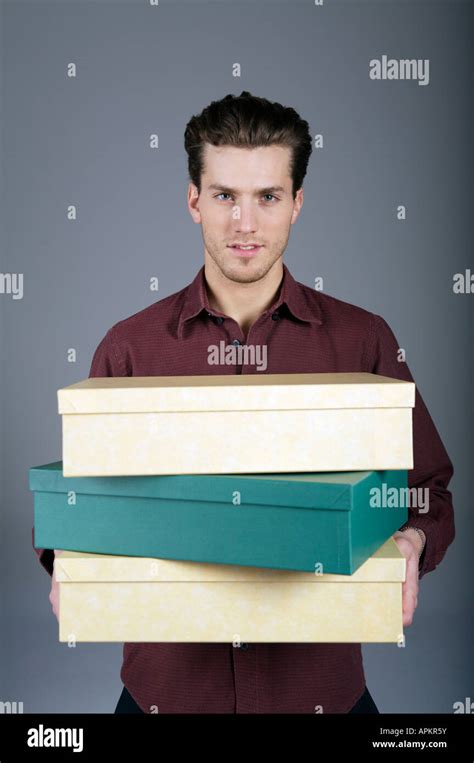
{"points": [[127, 704]]}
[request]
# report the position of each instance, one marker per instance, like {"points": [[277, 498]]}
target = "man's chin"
{"points": [[247, 272], [243, 270]]}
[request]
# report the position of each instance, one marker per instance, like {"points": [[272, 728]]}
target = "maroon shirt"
{"points": [[305, 331]]}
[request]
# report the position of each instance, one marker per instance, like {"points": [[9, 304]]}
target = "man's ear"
{"points": [[193, 202], [298, 203]]}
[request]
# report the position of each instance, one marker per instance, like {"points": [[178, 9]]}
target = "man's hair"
{"points": [[247, 121]]}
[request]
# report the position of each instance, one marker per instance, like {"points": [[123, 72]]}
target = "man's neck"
{"points": [[244, 302]]}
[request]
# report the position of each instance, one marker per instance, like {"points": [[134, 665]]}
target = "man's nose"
{"points": [[245, 216]]}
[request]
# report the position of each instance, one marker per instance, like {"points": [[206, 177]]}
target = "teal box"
{"points": [[329, 522]]}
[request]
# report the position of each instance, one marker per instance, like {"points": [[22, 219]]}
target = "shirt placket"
{"points": [[257, 334], [245, 656]]}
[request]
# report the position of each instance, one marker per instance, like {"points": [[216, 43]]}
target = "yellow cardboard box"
{"points": [[120, 598], [236, 424]]}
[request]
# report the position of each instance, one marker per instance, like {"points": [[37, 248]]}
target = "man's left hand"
{"points": [[410, 545]]}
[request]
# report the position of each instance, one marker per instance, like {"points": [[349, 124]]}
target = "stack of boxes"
{"points": [[229, 508]]}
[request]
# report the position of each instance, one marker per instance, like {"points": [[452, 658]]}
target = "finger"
{"points": [[410, 603], [408, 614]]}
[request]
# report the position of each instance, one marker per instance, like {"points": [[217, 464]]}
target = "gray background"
{"points": [[143, 70]]}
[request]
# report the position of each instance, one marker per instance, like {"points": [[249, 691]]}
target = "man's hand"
{"points": [[410, 545], [54, 595]]}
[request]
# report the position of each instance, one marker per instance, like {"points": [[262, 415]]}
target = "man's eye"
{"points": [[275, 198]]}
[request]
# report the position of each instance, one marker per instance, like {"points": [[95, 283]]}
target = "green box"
{"points": [[300, 521]]}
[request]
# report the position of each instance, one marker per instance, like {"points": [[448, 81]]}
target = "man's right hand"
{"points": [[54, 595]]}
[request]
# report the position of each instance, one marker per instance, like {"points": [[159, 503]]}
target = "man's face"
{"points": [[245, 199]]}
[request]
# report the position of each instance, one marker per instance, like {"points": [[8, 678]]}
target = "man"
{"points": [[247, 158]]}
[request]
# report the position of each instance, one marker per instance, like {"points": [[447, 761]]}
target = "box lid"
{"points": [[144, 394], [318, 490], [387, 564]]}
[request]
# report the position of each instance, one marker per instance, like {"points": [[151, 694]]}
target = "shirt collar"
{"points": [[291, 293]]}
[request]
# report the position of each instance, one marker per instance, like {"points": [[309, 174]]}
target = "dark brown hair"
{"points": [[247, 121]]}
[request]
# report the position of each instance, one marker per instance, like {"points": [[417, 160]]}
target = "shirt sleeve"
{"points": [[432, 466], [45, 555], [106, 361]]}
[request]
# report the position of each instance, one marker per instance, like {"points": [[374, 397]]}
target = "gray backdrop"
{"points": [[84, 141]]}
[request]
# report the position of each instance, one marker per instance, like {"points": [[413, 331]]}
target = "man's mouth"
{"points": [[245, 250]]}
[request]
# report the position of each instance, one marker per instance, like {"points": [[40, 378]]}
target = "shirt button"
{"points": [[275, 316], [236, 341], [244, 646], [219, 319]]}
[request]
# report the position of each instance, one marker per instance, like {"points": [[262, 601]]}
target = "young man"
{"points": [[247, 158]]}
